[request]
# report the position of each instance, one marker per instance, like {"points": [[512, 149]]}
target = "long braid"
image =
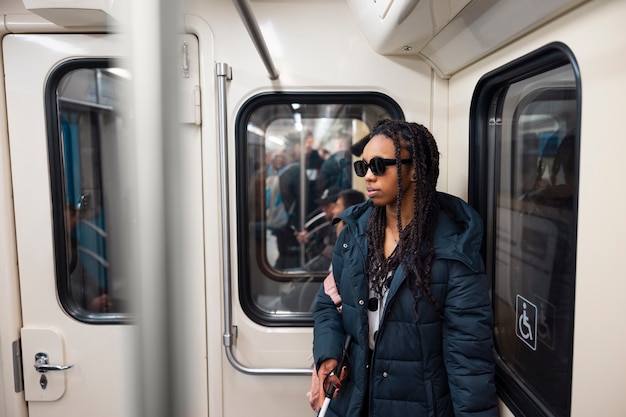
{"points": [[416, 237]]}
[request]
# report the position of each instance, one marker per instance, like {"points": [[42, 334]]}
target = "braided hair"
{"points": [[415, 249]]}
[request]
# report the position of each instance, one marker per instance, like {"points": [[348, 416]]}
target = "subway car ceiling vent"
{"points": [[450, 34], [93, 14]]}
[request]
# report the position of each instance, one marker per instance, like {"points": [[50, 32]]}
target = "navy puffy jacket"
{"points": [[424, 367]]}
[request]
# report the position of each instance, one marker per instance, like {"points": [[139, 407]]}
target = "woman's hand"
{"points": [[326, 376]]}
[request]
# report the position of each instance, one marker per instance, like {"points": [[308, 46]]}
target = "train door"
{"points": [[70, 169]]}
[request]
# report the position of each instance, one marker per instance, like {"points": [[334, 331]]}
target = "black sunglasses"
{"points": [[376, 164]]}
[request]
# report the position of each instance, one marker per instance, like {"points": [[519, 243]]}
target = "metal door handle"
{"points": [[41, 364]]}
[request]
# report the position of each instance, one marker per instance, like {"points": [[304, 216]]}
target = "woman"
{"points": [[414, 293]]}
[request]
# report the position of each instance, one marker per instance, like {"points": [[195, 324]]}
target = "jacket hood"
{"points": [[459, 231]]}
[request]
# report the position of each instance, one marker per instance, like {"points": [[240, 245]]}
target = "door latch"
{"points": [[42, 366]]}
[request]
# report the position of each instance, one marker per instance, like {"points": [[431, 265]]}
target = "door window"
{"points": [[85, 125], [525, 182], [294, 156]]}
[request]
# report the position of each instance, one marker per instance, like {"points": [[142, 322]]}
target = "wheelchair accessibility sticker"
{"points": [[526, 328]]}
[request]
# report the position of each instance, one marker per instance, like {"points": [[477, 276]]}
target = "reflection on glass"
{"points": [[88, 101], [536, 188]]}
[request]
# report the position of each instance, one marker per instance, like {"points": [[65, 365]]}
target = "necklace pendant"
{"points": [[372, 304]]}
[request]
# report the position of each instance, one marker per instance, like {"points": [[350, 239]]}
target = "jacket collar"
{"points": [[457, 238]]}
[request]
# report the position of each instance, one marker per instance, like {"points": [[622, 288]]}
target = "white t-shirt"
{"points": [[375, 316]]}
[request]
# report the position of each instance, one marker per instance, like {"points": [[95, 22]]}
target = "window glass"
{"points": [[531, 216], [85, 132], [298, 152]]}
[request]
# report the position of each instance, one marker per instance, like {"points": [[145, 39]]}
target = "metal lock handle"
{"points": [[42, 366]]}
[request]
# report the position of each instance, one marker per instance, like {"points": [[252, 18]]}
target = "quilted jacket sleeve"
{"points": [[328, 332], [468, 343]]}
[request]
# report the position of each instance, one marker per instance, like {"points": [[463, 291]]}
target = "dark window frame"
{"points": [[58, 192], [481, 191], [261, 317]]}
